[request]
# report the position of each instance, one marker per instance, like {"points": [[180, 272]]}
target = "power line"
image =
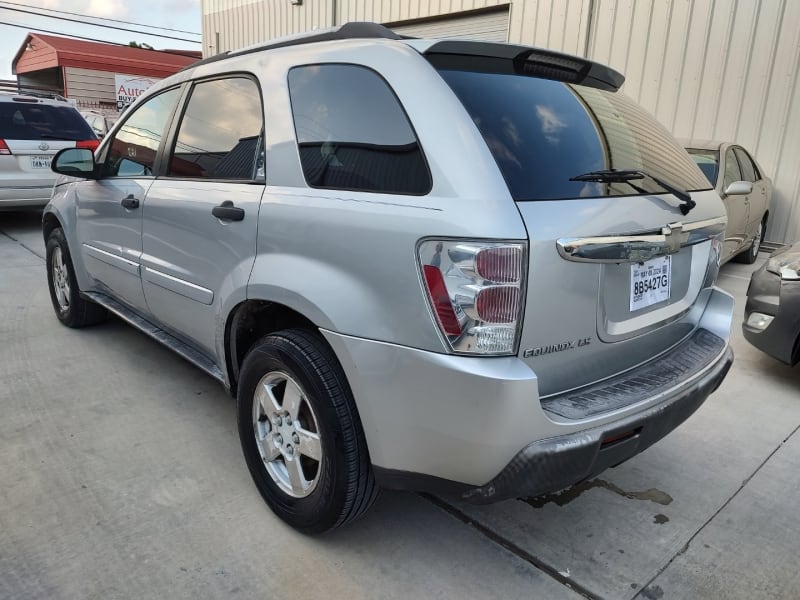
{"points": [[66, 12], [90, 39], [31, 12]]}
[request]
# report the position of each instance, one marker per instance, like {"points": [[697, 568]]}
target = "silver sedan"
{"points": [[745, 189]]}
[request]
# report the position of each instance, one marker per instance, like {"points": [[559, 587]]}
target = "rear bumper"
{"points": [[769, 295], [554, 464], [476, 427]]}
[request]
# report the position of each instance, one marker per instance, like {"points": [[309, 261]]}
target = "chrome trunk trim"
{"points": [[640, 247]]}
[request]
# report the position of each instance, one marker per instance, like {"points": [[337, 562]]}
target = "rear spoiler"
{"points": [[464, 55]]}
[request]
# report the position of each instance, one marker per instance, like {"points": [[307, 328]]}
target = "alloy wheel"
{"points": [[287, 434]]}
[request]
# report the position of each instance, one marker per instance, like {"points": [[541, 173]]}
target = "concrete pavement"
{"points": [[121, 476]]}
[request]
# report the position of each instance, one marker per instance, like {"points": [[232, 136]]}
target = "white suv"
{"points": [[32, 130]]}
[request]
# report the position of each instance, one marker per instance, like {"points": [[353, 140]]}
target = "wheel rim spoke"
{"points": [[297, 479], [291, 399], [269, 451], [265, 400], [310, 445]]}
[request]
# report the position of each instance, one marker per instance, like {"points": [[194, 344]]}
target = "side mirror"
{"points": [[739, 188], [74, 162]]}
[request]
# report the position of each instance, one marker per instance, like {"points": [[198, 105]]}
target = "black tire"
{"points": [[344, 483], [750, 255], [76, 311]]}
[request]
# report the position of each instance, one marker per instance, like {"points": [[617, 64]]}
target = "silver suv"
{"points": [[32, 130], [460, 267]]}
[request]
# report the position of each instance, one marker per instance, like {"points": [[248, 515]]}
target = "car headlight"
{"points": [[787, 265]]}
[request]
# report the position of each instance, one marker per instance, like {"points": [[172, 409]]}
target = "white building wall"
{"points": [[709, 69], [241, 23]]}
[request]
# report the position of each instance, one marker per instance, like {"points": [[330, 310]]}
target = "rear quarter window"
{"points": [[21, 121], [352, 132]]}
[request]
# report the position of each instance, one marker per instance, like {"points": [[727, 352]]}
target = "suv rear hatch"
{"points": [[31, 132], [620, 265]]}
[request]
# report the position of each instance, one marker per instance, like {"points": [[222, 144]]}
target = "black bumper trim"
{"points": [[680, 363], [553, 464]]}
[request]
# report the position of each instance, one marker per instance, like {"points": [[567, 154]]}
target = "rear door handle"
{"points": [[130, 202], [228, 211]]}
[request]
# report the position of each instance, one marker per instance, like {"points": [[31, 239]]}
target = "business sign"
{"points": [[130, 87]]}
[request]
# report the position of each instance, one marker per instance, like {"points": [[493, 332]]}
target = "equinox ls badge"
{"points": [[542, 350]]}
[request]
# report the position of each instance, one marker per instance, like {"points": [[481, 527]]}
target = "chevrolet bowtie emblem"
{"points": [[673, 237]]}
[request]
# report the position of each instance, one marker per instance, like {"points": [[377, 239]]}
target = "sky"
{"points": [[176, 14]]}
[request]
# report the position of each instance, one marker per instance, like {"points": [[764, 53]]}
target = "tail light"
{"points": [[4, 148], [476, 293], [90, 144]]}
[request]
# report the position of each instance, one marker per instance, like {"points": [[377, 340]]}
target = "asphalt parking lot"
{"points": [[121, 476]]}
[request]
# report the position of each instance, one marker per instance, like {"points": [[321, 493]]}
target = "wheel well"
{"points": [[250, 321], [49, 222]]}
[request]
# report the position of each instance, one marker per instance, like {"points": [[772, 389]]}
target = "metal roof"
{"points": [[40, 51]]}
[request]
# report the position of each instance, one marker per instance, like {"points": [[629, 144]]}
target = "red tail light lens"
{"points": [[440, 300], [500, 264], [4, 148], [498, 304], [90, 144]]}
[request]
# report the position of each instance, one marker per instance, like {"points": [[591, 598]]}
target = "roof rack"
{"points": [[14, 88], [348, 31]]}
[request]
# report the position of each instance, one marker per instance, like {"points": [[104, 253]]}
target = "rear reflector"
{"points": [[437, 291], [90, 144], [4, 148]]}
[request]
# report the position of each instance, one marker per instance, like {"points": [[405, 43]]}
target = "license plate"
{"points": [[40, 162], [650, 282]]}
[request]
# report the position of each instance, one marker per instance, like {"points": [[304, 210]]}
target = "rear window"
{"points": [[543, 132], [20, 121], [708, 161]]}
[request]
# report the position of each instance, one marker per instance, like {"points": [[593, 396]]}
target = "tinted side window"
{"points": [[132, 152], [748, 170], [732, 171], [220, 132], [352, 132]]}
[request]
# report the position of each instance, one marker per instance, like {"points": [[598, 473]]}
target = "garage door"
{"points": [[490, 27]]}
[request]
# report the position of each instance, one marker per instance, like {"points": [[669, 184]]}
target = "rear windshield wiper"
{"points": [[628, 175]]}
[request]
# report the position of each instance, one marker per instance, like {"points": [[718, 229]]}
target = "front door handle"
{"points": [[130, 202], [228, 211]]}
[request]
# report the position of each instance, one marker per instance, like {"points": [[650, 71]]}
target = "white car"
{"points": [[32, 130]]}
